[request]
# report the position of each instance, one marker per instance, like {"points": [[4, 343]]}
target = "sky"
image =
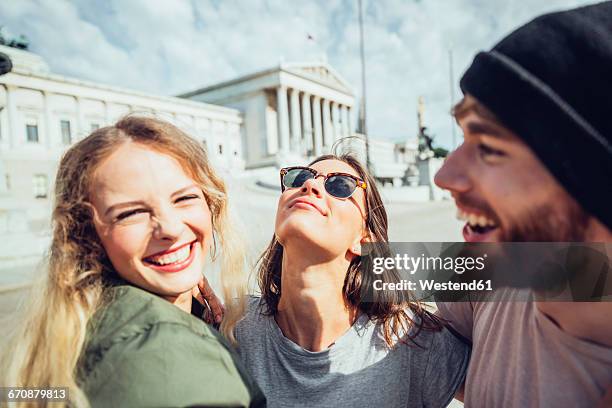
{"points": [[174, 46]]}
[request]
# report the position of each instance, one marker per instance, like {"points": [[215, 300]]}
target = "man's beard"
{"points": [[547, 269], [550, 223]]}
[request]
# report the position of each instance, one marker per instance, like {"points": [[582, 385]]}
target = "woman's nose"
{"points": [[168, 226], [313, 186]]}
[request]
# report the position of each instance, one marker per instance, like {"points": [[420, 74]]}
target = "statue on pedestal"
{"points": [[426, 150]]}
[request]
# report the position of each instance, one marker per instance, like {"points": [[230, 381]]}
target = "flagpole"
{"points": [[362, 110]]}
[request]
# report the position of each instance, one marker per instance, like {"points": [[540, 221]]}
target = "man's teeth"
{"points": [[177, 256], [475, 219]]}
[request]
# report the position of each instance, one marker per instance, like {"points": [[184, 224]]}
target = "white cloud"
{"points": [[169, 47]]}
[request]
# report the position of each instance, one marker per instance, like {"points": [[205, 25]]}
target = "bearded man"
{"points": [[536, 165]]}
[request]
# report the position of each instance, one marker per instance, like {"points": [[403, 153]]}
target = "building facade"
{"points": [[391, 163], [291, 112], [42, 114]]}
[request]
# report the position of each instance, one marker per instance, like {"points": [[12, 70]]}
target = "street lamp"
{"points": [[362, 110]]}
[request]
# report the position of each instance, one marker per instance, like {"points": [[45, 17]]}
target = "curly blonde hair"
{"points": [[45, 349]]}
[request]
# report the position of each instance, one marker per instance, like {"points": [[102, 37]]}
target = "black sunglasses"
{"points": [[339, 185]]}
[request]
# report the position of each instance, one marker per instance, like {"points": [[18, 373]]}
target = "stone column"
{"points": [[308, 142], [349, 119], [327, 126], [11, 106], [282, 112], [80, 131], [345, 121], [316, 118], [11, 119], [5, 133], [107, 121], [48, 125], [296, 126], [3, 186], [336, 121]]}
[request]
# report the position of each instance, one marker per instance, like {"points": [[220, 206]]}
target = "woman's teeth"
{"points": [[177, 256], [475, 220]]}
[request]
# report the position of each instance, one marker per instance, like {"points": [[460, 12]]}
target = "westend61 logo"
{"points": [[408, 265], [412, 264], [456, 271]]}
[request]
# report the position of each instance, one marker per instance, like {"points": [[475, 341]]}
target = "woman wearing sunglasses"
{"points": [[311, 339]]}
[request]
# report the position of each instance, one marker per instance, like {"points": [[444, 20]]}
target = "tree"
{"points": [[440, 152]]}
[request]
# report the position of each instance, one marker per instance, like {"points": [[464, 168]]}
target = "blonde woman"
{"points": [[137, 210]]}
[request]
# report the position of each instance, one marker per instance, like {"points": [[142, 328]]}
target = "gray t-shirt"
{"points": [[357, 370], [520, 358]]}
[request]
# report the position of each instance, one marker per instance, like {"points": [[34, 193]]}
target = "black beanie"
{"points": [[550, 82]]}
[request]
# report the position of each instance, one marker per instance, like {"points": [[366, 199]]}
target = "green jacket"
{"points": [[142, 351]]}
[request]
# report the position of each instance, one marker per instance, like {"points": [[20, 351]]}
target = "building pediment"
{"points": [[320, 72]]}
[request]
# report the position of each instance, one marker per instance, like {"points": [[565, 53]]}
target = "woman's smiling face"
{"points": [[152, 219], [310, 214]]}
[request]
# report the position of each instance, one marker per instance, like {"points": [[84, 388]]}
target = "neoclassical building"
{"points": [[284, 115], [291, 112], [42, 113]]}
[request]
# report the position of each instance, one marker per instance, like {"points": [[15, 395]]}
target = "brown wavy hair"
{"points": [[402, 317]]}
